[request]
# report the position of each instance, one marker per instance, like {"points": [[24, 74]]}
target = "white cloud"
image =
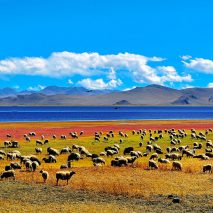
{"points": [[36, 88], [99, 83], [210, 85], [127, 89], [200, 64], [186, 57], [70, 81], [171, 75], [112, 73], [64, 64]]}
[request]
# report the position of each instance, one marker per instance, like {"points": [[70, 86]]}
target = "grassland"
{"points": [[106, 189]]}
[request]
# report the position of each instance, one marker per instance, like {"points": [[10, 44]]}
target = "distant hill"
{"points": [[154, 95]]}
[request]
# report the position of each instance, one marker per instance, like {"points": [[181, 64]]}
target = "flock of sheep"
{"points": [[149, 139]]}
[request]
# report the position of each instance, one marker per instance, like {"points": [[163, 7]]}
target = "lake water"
{"points": [[9, 114]]}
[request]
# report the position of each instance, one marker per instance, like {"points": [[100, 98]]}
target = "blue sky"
{"points": [[106, 44]]}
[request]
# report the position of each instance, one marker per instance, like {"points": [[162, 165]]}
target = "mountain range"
{"points": [[152, 95]]}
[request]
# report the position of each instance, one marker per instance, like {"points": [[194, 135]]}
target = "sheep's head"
{"points": [[72, 173]]}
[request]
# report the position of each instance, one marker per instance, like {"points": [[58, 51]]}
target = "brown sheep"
{"points": [[176, 166]]}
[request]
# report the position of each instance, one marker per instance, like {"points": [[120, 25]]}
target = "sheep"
{"points": [[46, 141], [11, 156], [136, 153], [34, 158], [131, 160], [50, 159], [7, 168], [1, 157], [38, 150], [45, 175], [54, 137], [14, 144], [65, 150], [2, 152], [163, 160], [128, 150], [207, 168], [175, 156], [28, 165], [27, 139], [32, 134], [63, 137], [119, 162], [52, 151], [8, 174], [140, 144], [15, 165], [35, 165], [64, 176], [103, 154], [153, 164], [176, 165], [74, 156], [66, 166], [98, 160], [111, 152], [38, 142], [149, 148], [210, 155], [154, 156], [7, 144]]}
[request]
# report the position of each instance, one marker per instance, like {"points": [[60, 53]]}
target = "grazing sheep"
{"points": [[154, 156], [119, 162], [15, 165], [74, 156], [65, 150], [149, 148], [66, 166], [175, 156], [35, 165], [14, 144], [131, 160], [176, 165], [46, 141], [38, 142], [2, 152], [103, 154], [207, 168], [210, 155], [28, 165], [50, 159], [153, 164], [54, 137], [163, 160], [38, 150], [7, 168], [27, 139], [99, 160], [8, 174], [32, 134], [128, 150], [63, 137], [64, 176], [7, 144], [45, 175], [52, 151]]}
